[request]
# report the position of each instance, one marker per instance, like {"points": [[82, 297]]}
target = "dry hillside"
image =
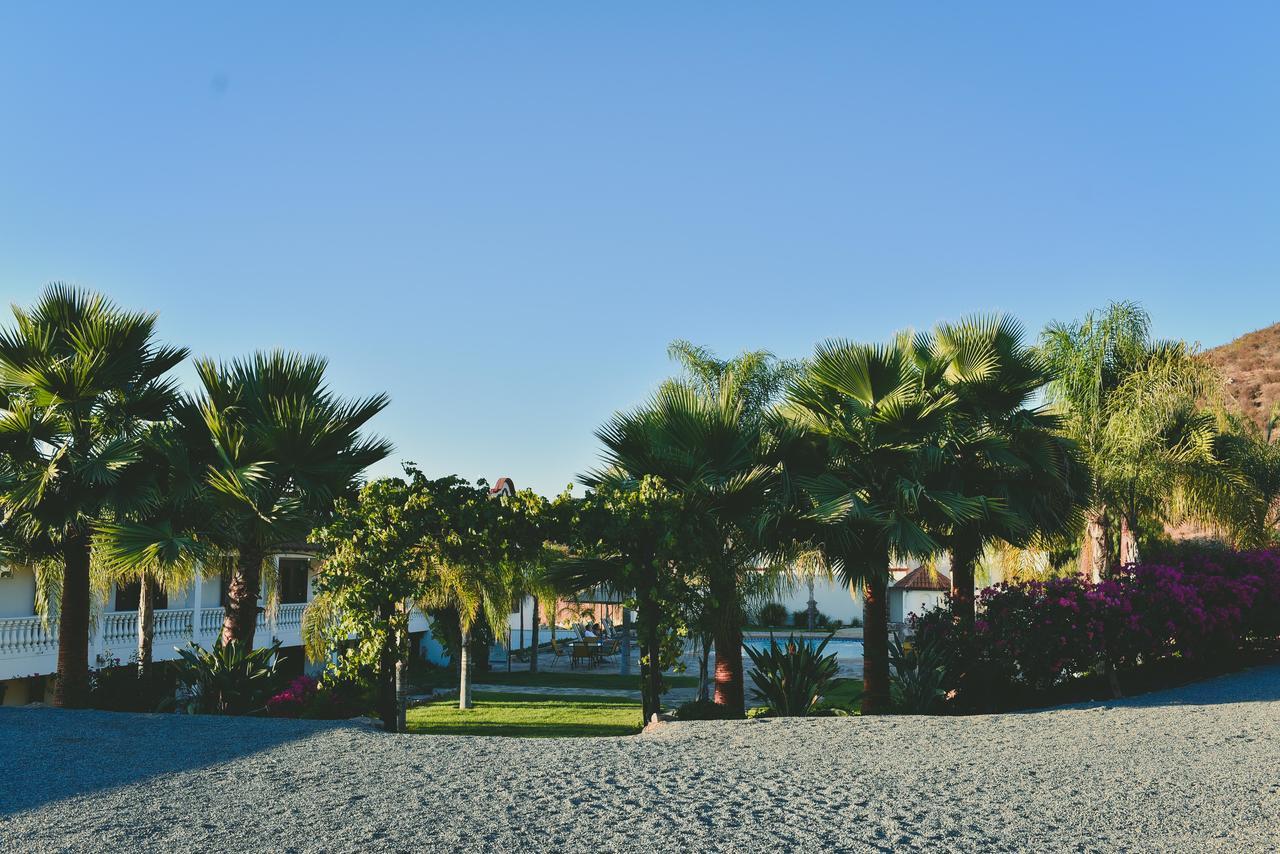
{"points": [[1250, 365]]}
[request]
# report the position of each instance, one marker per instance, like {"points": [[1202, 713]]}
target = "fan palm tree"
{"points": [[79, 380], [709, 450], [1000, 446], [876, 491], [172, 535], [284, 448]]}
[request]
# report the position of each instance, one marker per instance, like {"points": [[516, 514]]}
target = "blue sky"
{"points": [[501, 213]]}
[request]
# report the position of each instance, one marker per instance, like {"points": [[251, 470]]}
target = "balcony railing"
{"points": [[27, 647], [27, 636]]}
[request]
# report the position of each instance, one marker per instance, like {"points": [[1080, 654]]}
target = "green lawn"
{"points": [[422, 677], [528, 716], [844, 694]]}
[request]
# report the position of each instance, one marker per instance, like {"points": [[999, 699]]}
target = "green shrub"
{"points": [[115, 687], [226, 680], [791, 678], [919, 674], [772, 614], [800, 619]]}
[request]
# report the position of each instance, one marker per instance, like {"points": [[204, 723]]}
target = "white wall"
{"points": [[834, 599], [18, 593]]}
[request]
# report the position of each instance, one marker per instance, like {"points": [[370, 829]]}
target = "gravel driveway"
{"points": [[1193, 769]]}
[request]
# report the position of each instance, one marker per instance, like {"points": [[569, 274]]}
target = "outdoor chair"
{"points": [[559, 651], [584, 652]]}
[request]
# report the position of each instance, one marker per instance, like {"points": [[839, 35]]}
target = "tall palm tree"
{"points": [[79, 380], [709, 450], [1000, 446], [284, 447], [875, 491]]}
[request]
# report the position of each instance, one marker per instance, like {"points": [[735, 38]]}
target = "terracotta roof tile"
{"points": [[923, 578]]}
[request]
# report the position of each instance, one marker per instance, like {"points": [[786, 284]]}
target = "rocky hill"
{"points": [[1250, 366]]}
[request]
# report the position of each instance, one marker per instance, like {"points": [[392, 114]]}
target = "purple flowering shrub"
{"points": [[1200, 610], [294, 699], [304, 697]]}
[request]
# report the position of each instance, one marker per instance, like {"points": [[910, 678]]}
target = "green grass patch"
{"points": [[528, 716], [422, 677], [843, 694]]}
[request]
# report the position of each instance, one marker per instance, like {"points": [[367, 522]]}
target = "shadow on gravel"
{"points": [[52, 754], [1255, 685]]}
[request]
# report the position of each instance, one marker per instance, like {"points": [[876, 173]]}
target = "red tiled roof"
{"points": [[923, 578], [503, 483]]}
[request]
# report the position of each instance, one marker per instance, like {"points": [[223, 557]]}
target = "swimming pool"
{"points": [[845, 649]]}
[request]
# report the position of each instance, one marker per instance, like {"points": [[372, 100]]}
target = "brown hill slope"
{"points": [[1250, 366]]}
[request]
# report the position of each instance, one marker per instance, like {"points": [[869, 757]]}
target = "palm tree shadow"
{"points": [[53, 754]]}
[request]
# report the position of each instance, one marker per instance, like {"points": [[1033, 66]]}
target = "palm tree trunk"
{"points": [[1097, 546], [729, 677], [875, 640], [533, 638], [72, 688], [464, 671], [146, 622], [1128, 539], [964, 563], [730, 691], [241, 620]]}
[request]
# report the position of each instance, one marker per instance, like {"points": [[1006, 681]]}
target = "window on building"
{"points": [[127, 596], [293, 580]]}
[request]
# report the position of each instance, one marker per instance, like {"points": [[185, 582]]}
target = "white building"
{"points": [[29, 650], [911, 590]]}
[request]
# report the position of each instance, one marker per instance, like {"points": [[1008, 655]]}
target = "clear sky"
{"points": [[500, 214]]}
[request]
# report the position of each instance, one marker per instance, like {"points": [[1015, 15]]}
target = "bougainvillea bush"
{"points": [[304, 697], [1200, 613]]}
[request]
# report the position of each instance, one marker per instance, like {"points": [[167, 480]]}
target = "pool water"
{"points": [[845, 649]]}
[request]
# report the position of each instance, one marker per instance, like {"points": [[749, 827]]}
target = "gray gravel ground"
{"points": [[1193, 769]]}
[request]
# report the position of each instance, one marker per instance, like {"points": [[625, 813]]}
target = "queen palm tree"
{"points": [[79, 380], [284, 448], [1130, 404], [476, 591], [874, 486]]}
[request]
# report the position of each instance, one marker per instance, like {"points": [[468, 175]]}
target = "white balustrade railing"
{"points": [[173, 624], [290, 616], [23, 638], [26, 636], [210, 621]]}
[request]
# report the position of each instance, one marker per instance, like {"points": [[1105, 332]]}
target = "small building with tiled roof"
{"points": [[917, 591]]}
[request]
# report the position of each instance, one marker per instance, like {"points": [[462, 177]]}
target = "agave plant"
{"points": [[791, 678], [227, 679], [919, 671]]}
